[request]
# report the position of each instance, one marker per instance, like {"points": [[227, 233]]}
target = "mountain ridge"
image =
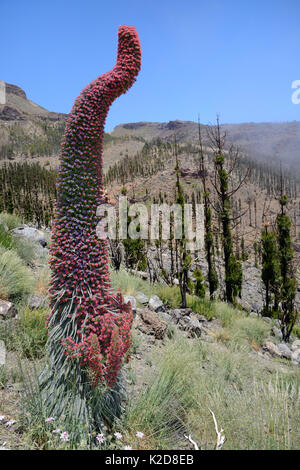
{"points": [[28, 130], [265, 141]]}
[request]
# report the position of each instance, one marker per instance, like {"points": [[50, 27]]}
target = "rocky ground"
{"points": [[154, 323], [156, 320], [252, 299]]}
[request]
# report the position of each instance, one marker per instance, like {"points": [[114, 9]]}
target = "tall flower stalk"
{"points": [[89, 326]]}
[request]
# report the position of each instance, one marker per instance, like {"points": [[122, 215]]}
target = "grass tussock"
{"points": [[130, 285], [15, 278], [256, 410], [11, 221], [26, 335]]}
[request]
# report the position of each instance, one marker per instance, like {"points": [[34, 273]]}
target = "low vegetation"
{"points": [[257, 410], [254, 401], [15, 278]]}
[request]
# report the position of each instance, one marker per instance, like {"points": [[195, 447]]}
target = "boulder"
{"points": [[284, 350], [185, 311], [201, 318], [131, 300], [178, 313], [193, 326], [271, 348], [152, 323], [36, 301], [7, 309], [155, 303], [267, 320], [2, 353], [256, 307], [40, 251], [296, 357], [175, 314], [165, 316], [142, 298], [30, 233], [276, 332], [295, 345]]}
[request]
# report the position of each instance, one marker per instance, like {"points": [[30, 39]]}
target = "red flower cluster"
{"points": [[99, 323]]}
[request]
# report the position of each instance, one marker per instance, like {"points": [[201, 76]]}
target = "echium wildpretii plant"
{"points": [[89, 326]]}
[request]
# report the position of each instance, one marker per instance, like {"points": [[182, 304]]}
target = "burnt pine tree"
{"points": [[183, 256], [212, 277], [245, 254], [270, 273], [288, 280], [199, 286], [222, 182]]}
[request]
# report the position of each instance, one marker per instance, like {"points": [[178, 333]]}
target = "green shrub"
{"points": [[8, 333], [5, 238], [15, 278], [3, 377], [159, 411], [129, 284], [32, 333], [226, 314], [256, 410], [296, 331], [25, 249], [8, 375], [26, 335], [201, 306], [170, 295], [10, 220], [251, 330]]}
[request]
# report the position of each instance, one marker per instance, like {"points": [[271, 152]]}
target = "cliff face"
{"points": [[16, 105], [15, 90]]}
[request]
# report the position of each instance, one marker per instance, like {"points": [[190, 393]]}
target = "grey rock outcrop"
{"points": [[131, 300], [7, 309], [36, 301], [272, 349], [156, 304], [284, 351], [142, 298], [151, 323], [31, 233]]}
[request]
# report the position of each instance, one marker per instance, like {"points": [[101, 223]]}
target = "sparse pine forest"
{"points": [[29, 191]]}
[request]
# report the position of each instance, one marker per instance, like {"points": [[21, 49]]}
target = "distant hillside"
{"points": [[30, 132], [18, 107], [140, 157], [26, 129], [261, 141]]}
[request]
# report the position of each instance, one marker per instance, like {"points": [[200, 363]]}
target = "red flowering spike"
{"points": [[89, 326]]}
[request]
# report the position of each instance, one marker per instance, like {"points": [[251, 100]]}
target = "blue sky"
{"points": [[237, 58]]}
